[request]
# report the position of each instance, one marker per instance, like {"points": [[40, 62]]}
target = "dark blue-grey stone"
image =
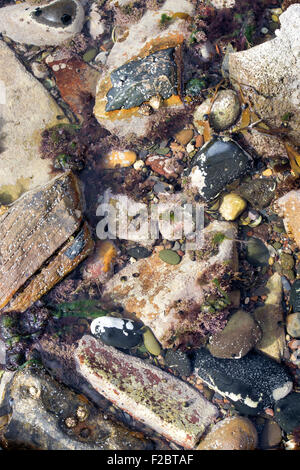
{"points": [[257, 254], [295, 296], [139, 252], [178, 361], [221, 161], [139, 80], [287, 412], [252, 383]]}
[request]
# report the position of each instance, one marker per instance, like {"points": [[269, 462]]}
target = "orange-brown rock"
{"points": [[235, 433], [288, 207], [42, 223]]}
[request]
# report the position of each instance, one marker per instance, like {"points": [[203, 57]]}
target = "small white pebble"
{"points": [[264, 30], [138, 165], [190, 148]]}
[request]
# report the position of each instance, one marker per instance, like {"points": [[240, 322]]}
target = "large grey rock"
{"points": [[42, 25], [25, 112], [166, 404], [269, 74]]}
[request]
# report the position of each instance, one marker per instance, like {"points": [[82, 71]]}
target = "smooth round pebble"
{"points": [[287, 412], [257, 253], [293, 324], [232, 206], [235, 433], [151, 343], [271, 435], [224, 112], [169, 256]]}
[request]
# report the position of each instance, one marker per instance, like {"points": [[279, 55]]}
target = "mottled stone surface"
{"points": [[139, 80], [288, 207], [287, 412], [269, 74], [21, 123], [270, 319], [46, 415], [146, 37], [235, 433], [252, 383], [222, 114], [53, 214], [42, 25], [164, 403], [161, 292]]}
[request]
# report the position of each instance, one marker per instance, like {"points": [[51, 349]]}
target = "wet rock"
{"points": [[270, 319], [184, 136], [268, 72], [169, 257], [223, 3], [100, 264], [139, 252], [259, 192], [118, 158], [235, 433], [139, 80], [145, 41], [287, 412], [217, 164], [178, 361], [167, 167], [252, 383], [137, 388], [293, 324], [39, 70], [117, 332], [288, 207], [223, 113], [271, 435], [21, 124], [75, 80], [257, 254], [165, 296], [46, 415], [43, 25], [232, 206], [295, 296], [53, 217], [238, 337], [287, 261]]}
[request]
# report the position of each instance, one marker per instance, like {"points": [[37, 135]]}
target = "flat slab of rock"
{"points": [[21, 123], [252, 383], [164, 403], [269, 74], [34, 228], [166, 297]]}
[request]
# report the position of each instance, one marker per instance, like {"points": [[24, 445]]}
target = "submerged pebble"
{"points": [[151, 343], [178, 361], [169, 257], [232, 206]]}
